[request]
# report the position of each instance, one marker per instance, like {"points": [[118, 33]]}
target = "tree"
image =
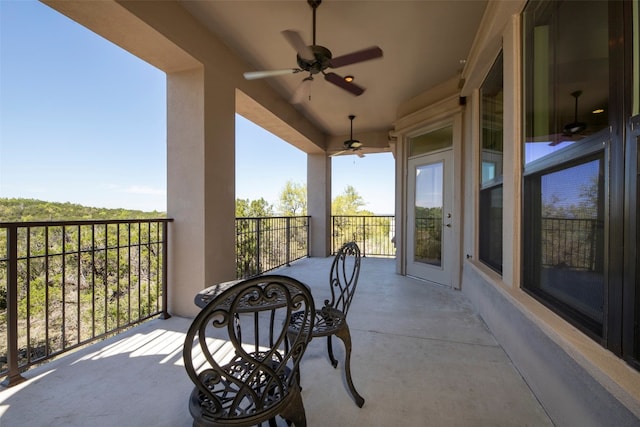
{"points": [[250, 215], [348, 203], [293, 199], [246, 208]]}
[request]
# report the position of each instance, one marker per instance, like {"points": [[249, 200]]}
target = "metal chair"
{"points": [[241, 358], [332, 318]]}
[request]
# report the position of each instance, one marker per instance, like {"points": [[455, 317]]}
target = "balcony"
{"points": [[421, 356]]}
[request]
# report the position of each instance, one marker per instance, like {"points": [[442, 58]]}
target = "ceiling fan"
{"points": [[317, 59], [351, 144], [575, 126], [571, 130]]}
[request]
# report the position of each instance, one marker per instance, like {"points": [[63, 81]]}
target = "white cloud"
{"points": [[143, 189]]}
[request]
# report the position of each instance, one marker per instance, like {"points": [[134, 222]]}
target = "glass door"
{"points": [[430, 217]]}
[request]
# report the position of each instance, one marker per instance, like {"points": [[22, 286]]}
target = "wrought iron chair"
{"points": [[331, 319], [241, 358]]}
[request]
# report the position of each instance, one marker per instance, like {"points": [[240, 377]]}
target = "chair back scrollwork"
{"points": [[343, 277]]}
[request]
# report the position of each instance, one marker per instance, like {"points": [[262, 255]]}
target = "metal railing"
{"points": [[572, 243], [65, 284], [266, 243], [374, 234]]}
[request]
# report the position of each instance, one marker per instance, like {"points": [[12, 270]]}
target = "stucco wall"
{"points": [[570, 393]]}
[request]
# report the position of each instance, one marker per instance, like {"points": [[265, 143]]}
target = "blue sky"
{"points": [[84, 121]]}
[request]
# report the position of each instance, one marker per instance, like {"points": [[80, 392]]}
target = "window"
{"points": [[564, 228], [429, 142], [634, 143], [633, 286], [566, 67], [490, 214]]}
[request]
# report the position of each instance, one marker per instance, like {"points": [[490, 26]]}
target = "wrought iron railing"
{"points": [[266, 243], [572, 243], [374, 234], [65, 284]]}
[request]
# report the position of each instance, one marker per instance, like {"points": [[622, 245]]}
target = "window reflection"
{"points": [[428, 214], [567, 64]]}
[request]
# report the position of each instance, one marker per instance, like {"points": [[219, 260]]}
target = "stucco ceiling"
{"points": [[423, 42]]}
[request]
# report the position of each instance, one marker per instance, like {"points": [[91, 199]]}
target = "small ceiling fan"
{"points": [[316, 59], [575, 126], [570, 130], [351, 144]]}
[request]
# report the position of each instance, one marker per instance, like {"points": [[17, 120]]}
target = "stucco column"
{"points": [[319, 203], [200, 185]]}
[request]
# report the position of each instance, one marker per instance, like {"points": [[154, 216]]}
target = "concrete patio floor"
{"points": [[421, 357]]}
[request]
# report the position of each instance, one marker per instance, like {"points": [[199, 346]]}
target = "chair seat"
{"points": [[246, 388], [327, 322]]}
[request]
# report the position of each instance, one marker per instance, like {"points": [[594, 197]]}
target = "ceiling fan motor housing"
{"points": [[352, 143], [322, 58]]}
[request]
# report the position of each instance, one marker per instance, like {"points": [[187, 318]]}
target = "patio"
{"points": [[421, 356]]}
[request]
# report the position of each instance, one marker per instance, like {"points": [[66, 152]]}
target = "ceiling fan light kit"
{"points": [[316, 59]]}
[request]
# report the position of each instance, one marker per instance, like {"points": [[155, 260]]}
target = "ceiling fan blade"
{"points": [[359, 56], [295, 39], [338, 153], [252, 75], [341, 82], [301, 91]]}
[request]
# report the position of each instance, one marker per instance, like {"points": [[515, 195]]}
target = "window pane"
{"points": [[490, 212], [428, 214], [431, 141], [637, 290], [492, 123], [565, 260], [491, 227], [636, 57], [566, 73]]}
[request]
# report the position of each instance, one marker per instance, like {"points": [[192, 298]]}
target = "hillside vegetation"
{"points": [[23, 210]]}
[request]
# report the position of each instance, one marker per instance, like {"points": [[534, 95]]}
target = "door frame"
{"points": [[448, 112]]}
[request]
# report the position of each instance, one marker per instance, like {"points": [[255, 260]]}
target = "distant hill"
{"points": [[22, 210]]}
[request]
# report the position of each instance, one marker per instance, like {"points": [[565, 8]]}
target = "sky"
{"points": [[83, 121]]}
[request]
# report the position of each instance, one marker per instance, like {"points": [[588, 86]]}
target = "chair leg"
{"points": [[345, 336], [333, 360], [294, 411]]}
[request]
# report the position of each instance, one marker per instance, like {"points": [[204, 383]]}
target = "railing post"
{"points": [[288, 244], [308, 221], [258, 249], [13, 376], [333, 233], [165, 271], [364, 236]]}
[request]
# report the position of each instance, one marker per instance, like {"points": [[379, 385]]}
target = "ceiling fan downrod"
{"points": [[314, 5], [351, 117]]}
